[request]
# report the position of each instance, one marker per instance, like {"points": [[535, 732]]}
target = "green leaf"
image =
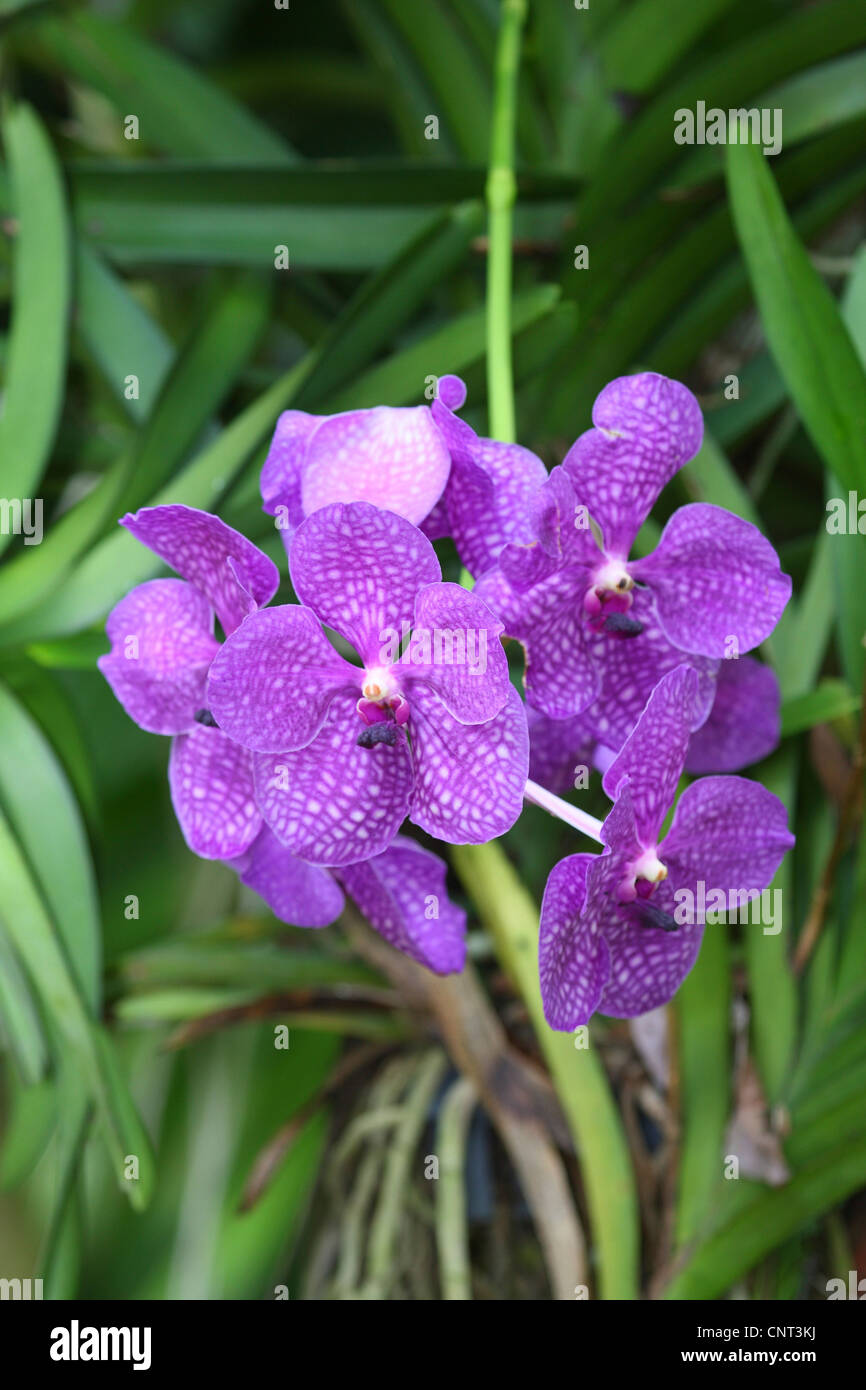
{"points": [[182, 1004], [459, 85], [117, 563], [798, 645], [349, 217], [646, 39], [710, 478], [31, 1114], [42, 953], [75, 1115], [248, 1243], [361, 238], [10, 10], [20, 1024], [49, 705], [262, 967], [36, 351], [729, 78], [804, 329], [36, 798], [831, 699], [387, 300], [36, 571], [703, 1014], [814, 101], [179, 110], [725, 1255], [121, 336], [207, 368], [404, 87], [849, 550], [455, 346]]}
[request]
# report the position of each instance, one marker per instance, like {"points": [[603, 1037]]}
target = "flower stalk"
{"points": [[501, 192], [506, 909], [571, 815]]}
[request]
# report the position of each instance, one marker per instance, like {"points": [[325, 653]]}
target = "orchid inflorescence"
{"points": [[303, 741]]}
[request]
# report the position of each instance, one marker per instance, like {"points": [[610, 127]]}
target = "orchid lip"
{"points": [[609, 591], [642, 876]]}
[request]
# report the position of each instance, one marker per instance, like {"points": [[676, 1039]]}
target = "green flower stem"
{"points": [[501, 192], [505, 907]]}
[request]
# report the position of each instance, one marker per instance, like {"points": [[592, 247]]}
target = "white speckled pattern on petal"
{"points": [[550, 624], [392, 457], [744, 723], [359, 568], [296, 892], [468, 668], [283, 469], [470, 777], [402, 894], [729, 832], [274, 679], [573, 961], [653, 755], [162, 644], [199, 545], [645, 427], [556, 748], [647, 965], [718, 586], [212, 793], [631, 668], [334, 802]]}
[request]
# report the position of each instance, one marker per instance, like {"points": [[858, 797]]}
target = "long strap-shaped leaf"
{"points": [[805, 331], [28, 924], [36, 356]]}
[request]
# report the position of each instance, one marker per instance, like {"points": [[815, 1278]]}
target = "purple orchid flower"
{"points": [[621, 930], [162, 645], [422, 462], [392, 457], [744, 724], [599, 629], [427, 726], [743, 727], [401, 892], [486, 503]]}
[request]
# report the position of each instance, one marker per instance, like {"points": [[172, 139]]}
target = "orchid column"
{"points": [[502, 901]]}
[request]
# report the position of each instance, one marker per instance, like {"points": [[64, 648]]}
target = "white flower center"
{"points": [[379, 685], [613, 576], [650, 867]]}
